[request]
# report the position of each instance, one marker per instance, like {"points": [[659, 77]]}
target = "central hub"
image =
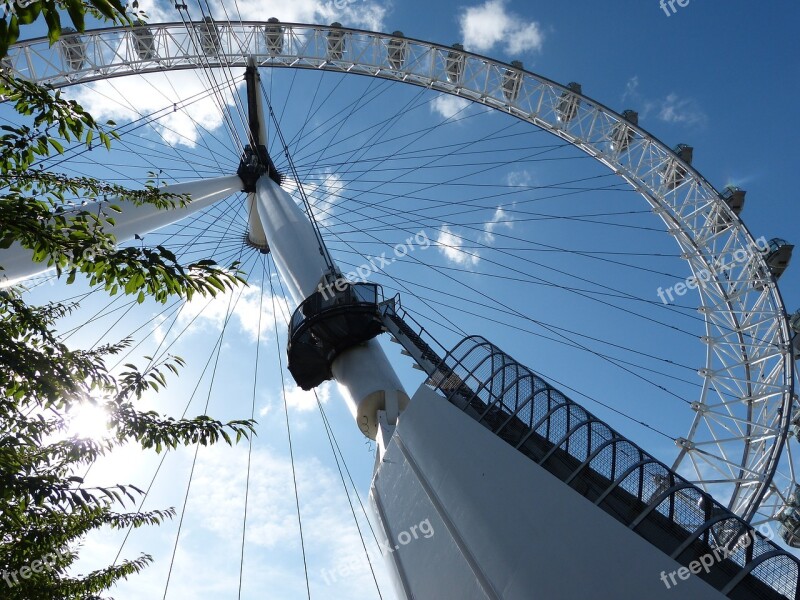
{"points": [[253, 165], [256, 161]]}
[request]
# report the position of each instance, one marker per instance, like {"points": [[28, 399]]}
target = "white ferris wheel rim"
{"points": [[748, 357]]}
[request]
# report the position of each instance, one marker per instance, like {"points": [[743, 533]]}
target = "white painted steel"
{"points": [[737, 441], [17, 261], [488, 506], [293, 243], [364, 372]]}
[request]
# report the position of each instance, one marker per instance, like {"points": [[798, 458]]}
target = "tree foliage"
{"points": [[25, 12], [45, 507]]}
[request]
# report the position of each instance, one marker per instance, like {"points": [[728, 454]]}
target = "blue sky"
{"points": [[720, 78]]}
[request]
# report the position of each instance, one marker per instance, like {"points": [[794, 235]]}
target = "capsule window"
{"points": [[397, 50], [73, 49], [454, 64], [336, 45], [512, 81], [569, 102], [622, 135], [143, 41], [208, 35], [273, 36]]}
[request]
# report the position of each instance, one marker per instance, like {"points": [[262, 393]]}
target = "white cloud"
{"points": [[631, 89], [519, 178], [490, 24], [451, 246], [355, 13], [159, 333], [672, 109], [129, 98], [207, 560], [304, 401], [204, 313], [686, 111], [500, 218], [525, 37], [448, 106], [157, 11], [330, 534], [323, 196]]}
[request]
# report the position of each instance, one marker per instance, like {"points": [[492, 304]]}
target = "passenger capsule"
{"points": [[512, 81], [569, 102], [397, 50], [208, 34], [454, 64], [794, 325], [789, 519], [794, 322], [274, 36], [675, 173], [778, 255], [143, 41], [336, 47], [622, 134], [73, 49], [734, 198]]}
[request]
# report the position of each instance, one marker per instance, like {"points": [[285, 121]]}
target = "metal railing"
{"points": [[614, 473], [327, 323], [352, 294], [703, 224]]}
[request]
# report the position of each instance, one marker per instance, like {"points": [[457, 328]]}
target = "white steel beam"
{"points": [[17, 261]]}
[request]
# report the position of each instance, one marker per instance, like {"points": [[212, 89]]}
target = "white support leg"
{"points": [[364, 371], [17, 261]]}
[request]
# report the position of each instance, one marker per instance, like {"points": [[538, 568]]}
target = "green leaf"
{"points": [[76, 11], [108, 10], [53, 21], [29, 14], [4, 37], [13, 30]]}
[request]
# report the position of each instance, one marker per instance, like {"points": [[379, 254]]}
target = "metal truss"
{"points": [[737, 439], [613, 473]]}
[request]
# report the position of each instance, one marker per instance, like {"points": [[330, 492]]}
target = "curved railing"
{"points": [[328, 322], [749, 371], [615, 474]]}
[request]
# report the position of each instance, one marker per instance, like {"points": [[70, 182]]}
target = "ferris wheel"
{"points": [[375, 173]]}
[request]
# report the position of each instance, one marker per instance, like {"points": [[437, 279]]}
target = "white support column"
{"points": [[293, 244], [17, 261], [364, 371], [255, 232], [462, 514]]}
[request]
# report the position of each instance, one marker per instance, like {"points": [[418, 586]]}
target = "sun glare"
{"points": [[88, 421]]}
